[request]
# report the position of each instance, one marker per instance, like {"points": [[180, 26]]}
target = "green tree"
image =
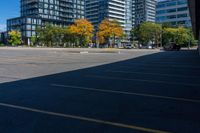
{"points": [[50, 35], [58, 35], [180, 35], [40, 32], [69, 39], [14, 38], [33, 40], [135, 33], [147, 32], [169, 35]]}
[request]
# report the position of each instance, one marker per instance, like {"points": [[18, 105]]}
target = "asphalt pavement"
{"points": [[118, 91]]}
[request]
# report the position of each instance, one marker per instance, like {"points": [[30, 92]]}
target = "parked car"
{"points": [[128, 46], [172, 47], [147, 47]]}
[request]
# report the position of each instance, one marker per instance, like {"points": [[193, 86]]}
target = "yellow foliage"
{"points": [[100, 38], [14, 37], [109, 29], [82, 27]]}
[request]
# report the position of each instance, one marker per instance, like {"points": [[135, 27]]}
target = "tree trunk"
{"points": [[114, 40]]}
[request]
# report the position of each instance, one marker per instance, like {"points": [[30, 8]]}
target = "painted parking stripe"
{"points": [[157, 66], [157, 74], [149, 64], [68, 116], [143, 80], [128, 93]]}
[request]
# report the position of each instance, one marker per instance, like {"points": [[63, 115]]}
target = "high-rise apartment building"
{"points": [[145, 10], [35, 13], [174, 12], [97, 10], [129, 16], [128, 12]]}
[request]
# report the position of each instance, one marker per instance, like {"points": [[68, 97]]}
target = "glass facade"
{"points": [[174, 12], [35, 13], [127, 12], [145, 10], [59, 10], [26, 25], [3, 36], [129, 16], [97, 10]]}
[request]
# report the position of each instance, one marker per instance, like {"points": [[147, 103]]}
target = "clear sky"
{"points": [[8, 9]]}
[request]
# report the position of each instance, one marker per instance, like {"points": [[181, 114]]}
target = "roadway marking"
{"points": [[157, 66], [158, 74], [84, 52], [68, 116], [143, 80], [152, 64], [127, 93]]}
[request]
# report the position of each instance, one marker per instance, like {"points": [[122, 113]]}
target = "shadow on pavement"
{"points": [[159, 92]]}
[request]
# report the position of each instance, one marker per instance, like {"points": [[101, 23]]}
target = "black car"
{"points": [[172, 47]]}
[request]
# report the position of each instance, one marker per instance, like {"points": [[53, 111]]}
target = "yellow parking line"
{"points": [[133, 127]]}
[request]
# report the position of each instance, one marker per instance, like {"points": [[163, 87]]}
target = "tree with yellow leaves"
{"points": [[109, 29], [14, 38], [83, 29]]}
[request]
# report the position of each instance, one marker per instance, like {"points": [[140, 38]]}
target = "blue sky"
{"points": [[8, 9]]}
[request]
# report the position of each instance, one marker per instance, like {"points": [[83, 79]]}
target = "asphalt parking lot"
{"points": [[109, 91]]}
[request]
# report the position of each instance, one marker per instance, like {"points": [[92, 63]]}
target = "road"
{"points": [[117, 91]]}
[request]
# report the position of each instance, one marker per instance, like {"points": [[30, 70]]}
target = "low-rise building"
{"points": [[3, 37]]}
